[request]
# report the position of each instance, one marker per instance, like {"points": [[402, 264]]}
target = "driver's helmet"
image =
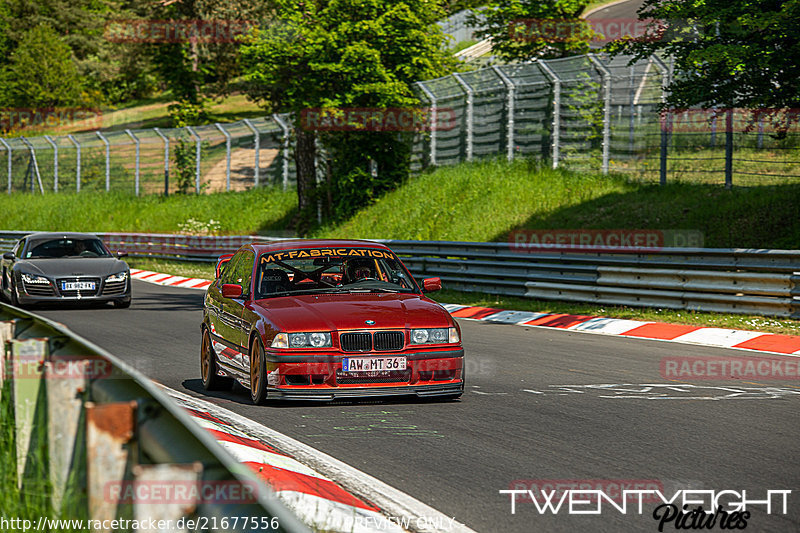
{"points": [[358, 269]]}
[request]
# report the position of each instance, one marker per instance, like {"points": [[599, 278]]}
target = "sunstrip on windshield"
{"points": [[325, 252]]}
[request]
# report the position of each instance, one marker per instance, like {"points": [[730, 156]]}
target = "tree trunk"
{"points": [[304, 155]]}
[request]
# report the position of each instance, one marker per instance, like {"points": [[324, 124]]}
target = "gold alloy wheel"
{"points": [[205, 357]]}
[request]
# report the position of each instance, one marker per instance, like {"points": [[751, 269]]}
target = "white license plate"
{"points": [[373, 364], [77, 286]]}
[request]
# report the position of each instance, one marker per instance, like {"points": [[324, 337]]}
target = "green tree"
{"points": [[524, 29], [41, 72], [336, 54], [741, 54]]}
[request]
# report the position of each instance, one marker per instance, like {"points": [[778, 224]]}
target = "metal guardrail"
{"points": [[731, 280], [107, 429]]}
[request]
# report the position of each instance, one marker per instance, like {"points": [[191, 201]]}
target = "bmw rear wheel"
{"points": [[258, 373]]}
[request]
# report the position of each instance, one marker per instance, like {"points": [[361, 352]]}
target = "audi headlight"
{"points": [[35, 280], [434, 336], [120, 276], [302, 340]]}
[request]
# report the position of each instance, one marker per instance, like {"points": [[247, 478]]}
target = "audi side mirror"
{"points": [[9, 256], [120, 254]]}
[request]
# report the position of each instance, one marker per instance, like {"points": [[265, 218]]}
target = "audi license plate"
{"points": [[373, 364], [77, 286]]}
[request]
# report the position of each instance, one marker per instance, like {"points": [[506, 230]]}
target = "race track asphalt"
{"points": [[534, 410]]}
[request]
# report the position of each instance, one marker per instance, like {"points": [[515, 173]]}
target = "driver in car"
{"points": [[359, 269]]}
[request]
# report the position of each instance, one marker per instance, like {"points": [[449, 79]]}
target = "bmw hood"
{"points": [[73, 266], [339, 312]]}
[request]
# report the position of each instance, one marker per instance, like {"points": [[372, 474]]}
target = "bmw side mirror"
{"points": [[431, 284], [121, 254], [230, 290], [9, 256]]}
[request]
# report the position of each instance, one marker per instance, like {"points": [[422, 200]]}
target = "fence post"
{"points": [[729, 148], [556, 110], [510, 89], [432, 98], [8, 149], [108, 160], [136, 142], [606, 77], [285, 148], [632, 108], [197, 142], [78, 164], [666, 119], [470, 117], [35, 169], [227, 156], [760, 138], [55, 161], [257, 145], [166, 160]]}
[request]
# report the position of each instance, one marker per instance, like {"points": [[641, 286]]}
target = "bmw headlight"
{"points": [[434, 336], [35, 280], [302, 340], [120, 276]]}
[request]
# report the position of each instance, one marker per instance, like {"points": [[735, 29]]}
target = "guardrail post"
{"points": [[110, 448], [6, 334], [26, 358], [55, 161], [432, 98], [66, 379], [284, 147], [197, 148], [606, 78], [510, 90], [227, 156], [166, 160], [470, 118], [78, 162], [556, 81], [257, 146], [108, 160], [729, 148], [8, 149], [173, 509], [136, 142]]}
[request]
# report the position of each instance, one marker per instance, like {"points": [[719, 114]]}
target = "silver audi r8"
{"points": [[64, 267]]}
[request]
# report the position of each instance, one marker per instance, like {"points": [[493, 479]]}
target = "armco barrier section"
{"points": [[116, 446], [751, 281]]}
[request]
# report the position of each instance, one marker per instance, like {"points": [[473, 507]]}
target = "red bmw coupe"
{"points": [[327, 319]]}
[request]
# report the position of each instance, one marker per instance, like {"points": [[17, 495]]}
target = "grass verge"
{"points": [[716, 320]]}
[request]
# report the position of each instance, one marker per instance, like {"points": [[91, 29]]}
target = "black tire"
{"points": [[208, 367], [122, 304], [258, 373], [14, 299]]}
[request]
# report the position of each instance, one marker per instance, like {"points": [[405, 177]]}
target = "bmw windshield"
{"points": [[331, 270]]}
